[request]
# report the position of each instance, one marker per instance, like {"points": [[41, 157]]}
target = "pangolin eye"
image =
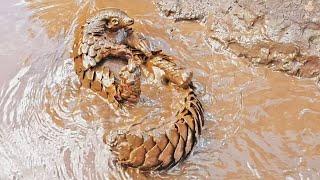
{"points": [[115, 21]]}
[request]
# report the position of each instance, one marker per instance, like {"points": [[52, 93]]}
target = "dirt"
{"points": [[255, 24], [184, 10], [279, 57]]}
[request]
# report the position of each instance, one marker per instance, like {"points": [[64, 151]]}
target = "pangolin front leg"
{"points": [[174, 73], [178, 75], [138, 42]]}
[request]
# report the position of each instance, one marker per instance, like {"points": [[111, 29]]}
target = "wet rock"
{"points": [[183, 9], [310, 67], [251, 22], [279, 57], [282, 35]]}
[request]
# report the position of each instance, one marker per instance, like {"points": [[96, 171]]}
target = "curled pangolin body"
{"points": [[144, 151], [94, 47], [103, 81], [149, 152]]}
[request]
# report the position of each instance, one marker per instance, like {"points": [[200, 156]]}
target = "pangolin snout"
{"points": [[129, 21]]}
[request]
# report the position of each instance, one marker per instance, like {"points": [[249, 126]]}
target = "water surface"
{"points": [[259, 123]]}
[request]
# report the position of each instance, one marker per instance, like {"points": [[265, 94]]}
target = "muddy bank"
{"points": [[249, 24], [279, 57], [184, 10], [249, 21]]}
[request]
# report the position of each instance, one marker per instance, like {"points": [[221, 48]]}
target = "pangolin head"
{"points": [[115, 19]]}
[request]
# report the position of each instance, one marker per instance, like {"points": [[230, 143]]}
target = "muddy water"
{"points": [[259, 123]]}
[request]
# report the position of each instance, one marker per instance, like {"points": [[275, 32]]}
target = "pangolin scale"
{"points": [[107, 35]]}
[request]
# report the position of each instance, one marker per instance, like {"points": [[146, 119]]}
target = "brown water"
{"points": [[259, 123]]}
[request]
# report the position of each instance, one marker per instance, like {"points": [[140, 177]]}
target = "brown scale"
{"points": [[107, 36], [104, 36], [148, 152], [173, 72]]}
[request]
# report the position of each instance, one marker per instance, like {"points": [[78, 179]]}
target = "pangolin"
{"points": [[107, 35]]}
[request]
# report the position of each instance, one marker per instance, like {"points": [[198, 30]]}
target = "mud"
{"points": [[184, 10], [249, 24], [279, 57], [259, 123]]}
